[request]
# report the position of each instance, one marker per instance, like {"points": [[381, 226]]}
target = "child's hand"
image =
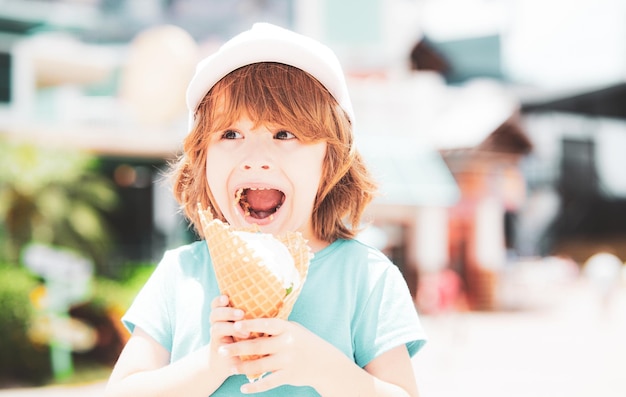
{"points": [[292, 354], [222, 321]]}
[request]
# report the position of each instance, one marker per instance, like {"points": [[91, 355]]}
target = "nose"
{"points": [[258, 156], [249, 166]]}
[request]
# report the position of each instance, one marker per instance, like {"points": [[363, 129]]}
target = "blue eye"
{"points": [[231, 134], [284, 135]]}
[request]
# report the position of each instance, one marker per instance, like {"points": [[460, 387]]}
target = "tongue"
{"points": [[264, 200]]}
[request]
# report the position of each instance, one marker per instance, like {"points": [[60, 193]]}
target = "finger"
{"points": [[221, 300], [267, 382], [221, 330], [225, 328], [256, 346], [254, 367], [225, 314], [266, 326]]}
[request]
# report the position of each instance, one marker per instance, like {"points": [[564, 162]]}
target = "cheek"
{"points": [[312, 168], [208, 169], [215, 174], [318, 159]]}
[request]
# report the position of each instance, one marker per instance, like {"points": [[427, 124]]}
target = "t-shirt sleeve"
{"points": [[150, 309], [389, 319]]}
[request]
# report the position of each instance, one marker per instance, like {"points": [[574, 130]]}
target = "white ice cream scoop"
{"points": [[275, 256]]}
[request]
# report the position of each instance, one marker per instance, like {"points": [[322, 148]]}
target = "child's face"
{"points": [[264, 176]]}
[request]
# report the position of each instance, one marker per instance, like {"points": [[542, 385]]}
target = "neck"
{"points": [[317, 244]]}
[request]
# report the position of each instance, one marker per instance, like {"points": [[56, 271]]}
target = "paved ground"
{"points": [[90, 390], [563, 343], [572, 348]]}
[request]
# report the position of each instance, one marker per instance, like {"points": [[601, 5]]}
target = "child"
{"points": [[271, 115]]}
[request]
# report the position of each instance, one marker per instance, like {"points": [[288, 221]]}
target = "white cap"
{"points": [[269, 43]]}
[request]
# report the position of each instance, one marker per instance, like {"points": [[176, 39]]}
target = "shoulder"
{"points": [[367, 254], [195, 250], [355, 250], [187, 258], [356, 260]]}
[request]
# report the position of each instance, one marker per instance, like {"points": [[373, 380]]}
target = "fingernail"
{"points": [[234, 371], [238, 326], [239, 313], [222, 351], [245, 389]]}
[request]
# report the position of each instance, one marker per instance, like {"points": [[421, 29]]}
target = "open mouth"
{"points": [[259, 203]]}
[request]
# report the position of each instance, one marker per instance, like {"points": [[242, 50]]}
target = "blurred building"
{"points": [[456, 91]]}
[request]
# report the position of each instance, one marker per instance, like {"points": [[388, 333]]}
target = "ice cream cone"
{"points": [[241, 275]]}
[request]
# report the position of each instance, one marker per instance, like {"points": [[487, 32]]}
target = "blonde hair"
{"points": [[274, 93]]}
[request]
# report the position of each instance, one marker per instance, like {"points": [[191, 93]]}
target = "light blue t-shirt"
{"points": [[353, 297]]}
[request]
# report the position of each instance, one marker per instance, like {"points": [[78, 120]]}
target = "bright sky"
{"points": [[551, 43]]}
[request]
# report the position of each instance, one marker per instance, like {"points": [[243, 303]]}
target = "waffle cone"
{"points": [[249, 285]]}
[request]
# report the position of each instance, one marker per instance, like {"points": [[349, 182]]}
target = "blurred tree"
{"points": [[21, 359], [53, 196]]}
